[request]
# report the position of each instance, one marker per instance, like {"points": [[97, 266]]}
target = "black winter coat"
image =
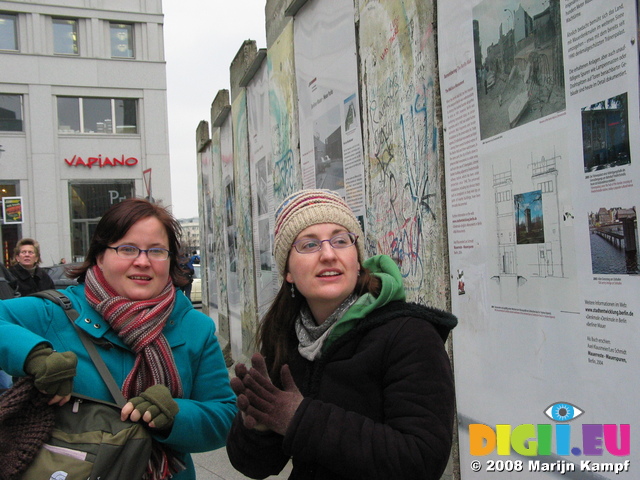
{"points": [[379, 404], [7, 284], [27, 283]]}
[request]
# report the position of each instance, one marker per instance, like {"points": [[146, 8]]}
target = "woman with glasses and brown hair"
{"points": [[350, 381], [163, 354]]}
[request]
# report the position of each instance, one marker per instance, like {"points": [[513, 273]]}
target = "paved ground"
{"points": [[215, 466]]}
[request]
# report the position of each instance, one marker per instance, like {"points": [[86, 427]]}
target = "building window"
{"points": [[8, 32], [121, 40], [97, 115], [10, 113], [89, 201], [65, 36]]}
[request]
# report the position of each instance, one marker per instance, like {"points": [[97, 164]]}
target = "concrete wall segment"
{"points": [[240, 64], [403, 162], [283, 109], [220, 108], [218, 257], [202, 135], [275, 19]]}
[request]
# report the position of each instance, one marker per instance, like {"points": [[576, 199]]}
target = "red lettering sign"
{"points": [[101, 162]]}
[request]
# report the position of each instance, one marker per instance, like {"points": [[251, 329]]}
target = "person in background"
{"points": [[8, 283], [29, 276], [184, 279], [351, 381], [63, 261], [162, 352], [7, 290]]}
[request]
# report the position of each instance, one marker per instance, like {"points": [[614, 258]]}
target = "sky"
{"points": [[201, 40]]}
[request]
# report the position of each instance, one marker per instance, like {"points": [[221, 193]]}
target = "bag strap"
{"points": [[61, 299]]}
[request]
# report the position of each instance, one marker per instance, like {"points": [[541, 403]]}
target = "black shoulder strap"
{"points": [[61, 299]]}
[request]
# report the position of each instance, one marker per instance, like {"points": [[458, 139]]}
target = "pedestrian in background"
{"points": [[162, 353], [8, 283], [7, 290], [29, 276], [351, 381], [184, 279]]}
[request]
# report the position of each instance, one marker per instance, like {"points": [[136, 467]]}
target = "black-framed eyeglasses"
{"points": [[130, 252], [311, 245]]}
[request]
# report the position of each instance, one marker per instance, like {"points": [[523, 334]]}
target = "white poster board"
{"points": [[540, 107], [261, 170], [327, 80]]}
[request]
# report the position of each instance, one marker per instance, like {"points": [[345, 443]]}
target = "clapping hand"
{"points": [[262, 404]]}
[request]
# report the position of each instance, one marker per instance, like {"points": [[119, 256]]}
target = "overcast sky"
{"points": [[201, 39]]}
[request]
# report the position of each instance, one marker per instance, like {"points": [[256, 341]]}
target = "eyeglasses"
{"points": [[311, 245], [130, 252]]}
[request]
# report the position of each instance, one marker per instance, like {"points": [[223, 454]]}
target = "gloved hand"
{"points": [[53, 372], [155, 406], [242, 402], [266, 403]]}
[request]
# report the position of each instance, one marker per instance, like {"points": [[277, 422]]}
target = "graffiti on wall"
{"points": [[283, 116], [402, 144], [244, 227], [219, 256]]}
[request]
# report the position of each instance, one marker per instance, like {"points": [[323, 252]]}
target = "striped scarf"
{"points": [[139, 324]]}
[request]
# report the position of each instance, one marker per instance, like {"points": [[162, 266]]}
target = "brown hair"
{"points": [[115, 224], [276, 333], [21, 243]]}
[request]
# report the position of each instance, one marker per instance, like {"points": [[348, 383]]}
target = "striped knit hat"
{"points": [[311, 207]]}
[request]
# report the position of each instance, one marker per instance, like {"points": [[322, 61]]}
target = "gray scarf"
{"points": [[311, 335]]}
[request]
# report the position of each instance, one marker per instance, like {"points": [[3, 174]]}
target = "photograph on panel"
{"points": [[327, 144], [518, 62], [614, 240], [605, 134]]}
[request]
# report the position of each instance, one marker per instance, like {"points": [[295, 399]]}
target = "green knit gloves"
{"points": [[157, 400], [53, 372]]}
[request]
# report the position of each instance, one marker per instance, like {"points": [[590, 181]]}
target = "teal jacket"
{"points": [[208, 406]]}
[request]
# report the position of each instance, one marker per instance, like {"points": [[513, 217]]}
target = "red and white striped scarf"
{"points": [[139, 324]]}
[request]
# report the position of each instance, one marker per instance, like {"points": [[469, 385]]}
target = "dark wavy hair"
{"points": [[115, 224]]}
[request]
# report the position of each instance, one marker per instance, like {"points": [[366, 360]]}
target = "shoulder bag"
{"points": [[89, 441]]}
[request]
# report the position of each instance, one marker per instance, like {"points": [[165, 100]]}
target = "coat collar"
{"points": [[92, 322]]}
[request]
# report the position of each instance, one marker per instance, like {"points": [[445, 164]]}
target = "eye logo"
{"points": [[563, 412]]}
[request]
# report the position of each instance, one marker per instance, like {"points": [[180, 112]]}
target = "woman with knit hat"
{"points": [[162, 353], [350, 381]]}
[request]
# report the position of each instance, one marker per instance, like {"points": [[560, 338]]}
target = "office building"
{"points": [[83, 117]]}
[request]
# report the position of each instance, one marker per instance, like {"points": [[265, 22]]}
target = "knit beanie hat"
{"points": [[311, 207], [26, 422]]}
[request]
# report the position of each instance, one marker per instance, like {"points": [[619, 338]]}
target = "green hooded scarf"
{"points": [[383, 267]]}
